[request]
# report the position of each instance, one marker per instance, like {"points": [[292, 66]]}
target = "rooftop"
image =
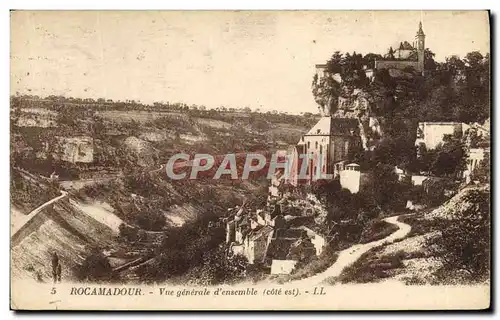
{"points": [[329, 126]]}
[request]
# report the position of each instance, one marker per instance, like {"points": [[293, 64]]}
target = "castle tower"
{"points": [[420, 38]]}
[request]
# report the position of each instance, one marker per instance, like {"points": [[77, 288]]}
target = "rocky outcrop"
{"points": [[141, 149], [338, 100]]}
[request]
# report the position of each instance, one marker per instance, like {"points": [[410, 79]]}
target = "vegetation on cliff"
{"points": [[454, 90]]}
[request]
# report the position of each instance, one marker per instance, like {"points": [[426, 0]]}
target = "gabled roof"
{"points": [[260, 233], [292, 233], [344, 126], [420, 31], [405, 46], [279, 248], [329, 126], [322, 127]]}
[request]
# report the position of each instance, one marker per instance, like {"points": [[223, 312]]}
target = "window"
{"points": [[321, 149], [308, 144], [316, 145]]}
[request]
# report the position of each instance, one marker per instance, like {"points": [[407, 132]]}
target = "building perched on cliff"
{"points": [[407, 55], [331, 141]]}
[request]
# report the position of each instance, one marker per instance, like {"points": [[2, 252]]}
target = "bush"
{"points": [[316, 264], [465, 244], [219, 269], [131, 234], [151, 220], [377, 230], [369, 268], [95, 268], [483, 171]]}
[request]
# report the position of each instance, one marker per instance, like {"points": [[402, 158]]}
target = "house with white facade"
{"points": [[352, 179], [331, 141], [431, 134]]}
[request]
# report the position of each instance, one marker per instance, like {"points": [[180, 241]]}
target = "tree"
{"points": [[483, 171], [95, 268], [66, 117], [390, 54], [218, 268], [334, 65], [473, 59], [429, 62], [385, 188], [450, 158], [455, 65], [151, 219], [370, 58]]}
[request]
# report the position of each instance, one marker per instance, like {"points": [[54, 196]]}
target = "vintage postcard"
{"points": [[250, 160]]}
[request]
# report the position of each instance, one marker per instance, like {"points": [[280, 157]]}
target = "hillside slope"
{"points": [[67, 227], [62, 229], [447, 245]]}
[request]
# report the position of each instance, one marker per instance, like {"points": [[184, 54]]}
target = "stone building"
{"points": [[263, 237], [431, 134], [407, 55], [256, 242], [352, 179], [330, 141]]}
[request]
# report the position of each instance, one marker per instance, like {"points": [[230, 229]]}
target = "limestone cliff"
{"points": [[339, 101]]}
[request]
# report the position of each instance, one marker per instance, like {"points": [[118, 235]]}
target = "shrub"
{"points": [[219, 269], [95, 268], [316, 264], [465, 244], [377, 230], [129, 233]]}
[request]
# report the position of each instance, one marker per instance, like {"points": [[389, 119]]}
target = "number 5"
{"points": [[53, 291]]}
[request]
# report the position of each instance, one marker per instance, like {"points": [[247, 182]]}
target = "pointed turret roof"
{"points": [[420, 31]]}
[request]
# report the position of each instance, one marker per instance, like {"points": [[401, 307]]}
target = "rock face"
{"points": [[357, 105], [326, 91], [77, 149], [141, 149], [338, 100]]}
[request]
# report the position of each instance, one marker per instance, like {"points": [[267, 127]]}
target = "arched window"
{"points": [[308, 144], [316, 145]]}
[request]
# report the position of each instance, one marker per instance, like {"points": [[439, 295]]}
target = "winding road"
{"points": [[351, 254]]}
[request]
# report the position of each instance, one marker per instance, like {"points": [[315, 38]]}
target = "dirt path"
{"points": [[351, 254], [21, 221]]}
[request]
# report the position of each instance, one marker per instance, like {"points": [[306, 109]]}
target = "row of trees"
{"points": [[57, 102]]}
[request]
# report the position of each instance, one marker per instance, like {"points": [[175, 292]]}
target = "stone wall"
{"points": [[396, 64]]}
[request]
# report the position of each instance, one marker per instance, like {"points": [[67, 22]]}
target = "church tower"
{"points": [[420, 37]]}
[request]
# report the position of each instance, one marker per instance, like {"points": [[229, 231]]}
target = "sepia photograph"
{"points": [[250, 160]]}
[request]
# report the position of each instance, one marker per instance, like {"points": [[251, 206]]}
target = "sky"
{"points": [[259, 59]]}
